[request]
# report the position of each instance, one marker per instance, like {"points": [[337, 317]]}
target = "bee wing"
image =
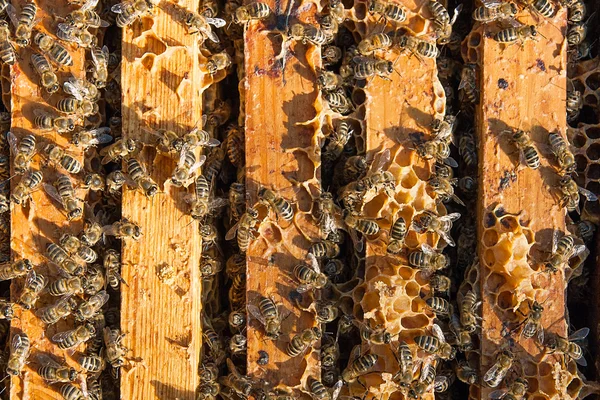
{"points": [[555, 235], [52, 192], [45, 359], [337, 388], [447, 238], [540, 334], [118, 9], [101, 135], [587, 194], [581, 361], [198, 164], [212, 36], [357, 242], [255, 311], [490, 375], [450, 217], [579, 334], [427, 249], [457, 11], [451, 162], [67, 30], [104, 24], [13, 141], [577, 250], [12, 14], [62, 336], [216, 22], [437, 331], [303, 288], [218, 202], [313, 262], [498, 394], [212, 142], [231, 233], [88, 5], [491, 3], [457, 200], [74, 88], [384, 158]]}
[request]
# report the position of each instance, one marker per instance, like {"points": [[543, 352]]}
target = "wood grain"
{"points": [[280, 151], [162, 88], [531, 99], [44, 220]]}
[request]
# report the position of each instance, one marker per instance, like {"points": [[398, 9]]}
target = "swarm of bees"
{"points": [[210, 162]]}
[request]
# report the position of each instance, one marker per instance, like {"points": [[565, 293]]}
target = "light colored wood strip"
{"points": [[280, 151], [161, 307]]}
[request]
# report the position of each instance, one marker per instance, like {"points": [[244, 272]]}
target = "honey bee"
{"points": [[238, 344], [444, 189], [388, 10], [373, 336], [235, 145], [570, 193], [318, 391], [94, 182], [324, 249], [359, 365], [513, 34], [19, 352], [426, 382], [66, 286], [48, 78], [574, 104], [7, 310], [139, 175], [428, 260], [85, 17], [326, 212], [269, 316], [331, 55], [52, 371], [187, 165], [74, 337], [577, 11], [309, 275], [328, 80], [309, 34], [405, 359], [91, 363], [77, 35], [92, 233], [355, 167], [60, 257], [338, 102], [541, 7], [57, 311], [566, 346], [337, 141], [365, 68], [123, 229], [516, 391], [365, 226], [461, 334], [467, 149], [562, 251], [330, 351], [81, 88], [429, 221], [30, 182], [244, 229], [439, 305], [130, 10], [115, 351], [375, 42], [218, 62], [441, 284], [112, 266], [34, 284], [196, 23], [63, 191], [438, 150], [58, 156], [418, 47], [46, 121], [7, 50], [202, 203], [397, 234], [240, 384], [497, 372], [576, 34], [99, 68], [23, 22], [533, 323], [302, 342], [585, 230], [77, 106], [55, 51], [94, 280], [468, 94], [465, 373], [71, 392], [494, 11], [442, 21], [436, 344], [281, 206], [443, 129], [22, 151], [467, 309], [89, 308], [254, 11], [527, 152]]}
